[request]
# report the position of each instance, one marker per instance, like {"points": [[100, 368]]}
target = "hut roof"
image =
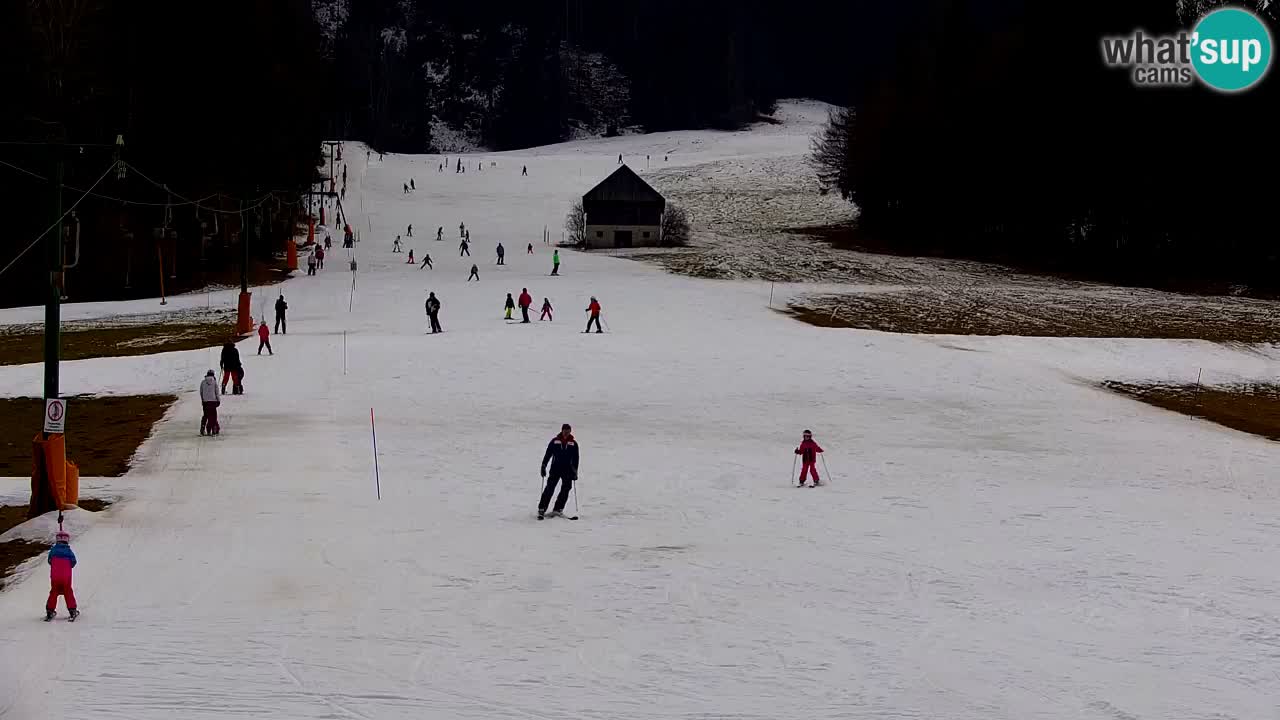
{"points": [[625, 185]]}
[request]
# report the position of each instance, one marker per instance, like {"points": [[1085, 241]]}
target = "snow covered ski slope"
{"points": [[1001, 539]]}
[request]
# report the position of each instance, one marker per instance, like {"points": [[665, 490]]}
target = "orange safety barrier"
{"points": [[72, 496]]}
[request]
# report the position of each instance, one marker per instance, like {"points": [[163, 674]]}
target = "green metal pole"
{"points": [[52, 302]]}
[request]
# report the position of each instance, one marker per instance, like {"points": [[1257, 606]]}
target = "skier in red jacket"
{"points": [[594, 309], [525, 301], [808, 452]]}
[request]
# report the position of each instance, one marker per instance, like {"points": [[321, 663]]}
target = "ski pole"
{"points": [[575, 496], [825, 468], [792, 477]]}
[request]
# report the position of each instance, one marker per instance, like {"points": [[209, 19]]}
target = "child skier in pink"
{"points": [[808, 452], [61, 560]]}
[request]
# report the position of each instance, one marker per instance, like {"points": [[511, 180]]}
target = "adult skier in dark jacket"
{"points": [[433, 312], [562, 453], [282, 326], [230, 363]]}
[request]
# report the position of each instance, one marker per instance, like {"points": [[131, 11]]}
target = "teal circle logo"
{"points": [[1230, 49]]}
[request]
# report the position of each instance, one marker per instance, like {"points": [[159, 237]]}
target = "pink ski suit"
{"points": [[61, 560]]}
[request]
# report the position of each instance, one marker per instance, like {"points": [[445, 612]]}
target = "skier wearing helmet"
{"points": [[594, 309], [61, 561], [562, 453], [808, 452], [209, 400]]}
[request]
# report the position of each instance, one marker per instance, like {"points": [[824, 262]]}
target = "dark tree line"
{"points": [[211, 98], [510, 74], [993, 130]]}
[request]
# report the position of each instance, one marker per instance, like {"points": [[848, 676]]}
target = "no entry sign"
{"points": [[55, 415]]}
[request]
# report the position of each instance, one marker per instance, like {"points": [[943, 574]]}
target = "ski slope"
{"points": [[1001, 539]]}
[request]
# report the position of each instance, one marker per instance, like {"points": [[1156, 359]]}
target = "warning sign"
{"points": [[55, 415]]}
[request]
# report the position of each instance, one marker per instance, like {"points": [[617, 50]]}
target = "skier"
{"points": [[439, 233], [555, 262], [311, 263], [808, 452], [525, 301], [594, 309], [395, 246], [501, 253], [511, 305], [209, 401], [463, 248], [413, 188], [231, 367], [546, 310], [433, 312], [410, 233], [282, 325], [328, 242], [411, 261], [462, 229], [426, 261], [530, 249], [524, 172], [459, 168], [562, 453], [619, 158], [467, 236], [320, 257], [264, 340], [406, 188], [61, 561], [475, 273]]}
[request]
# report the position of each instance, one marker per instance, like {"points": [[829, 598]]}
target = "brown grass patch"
{"points": [[25, 344], [1026, 311], [102, 432], [1251, 408], [15, 552]]}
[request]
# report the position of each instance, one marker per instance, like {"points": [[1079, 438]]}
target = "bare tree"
{"points": [[675, 225], [575, 223]]}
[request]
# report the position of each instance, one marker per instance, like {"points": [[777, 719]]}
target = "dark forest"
{"points": [[983, 129]]}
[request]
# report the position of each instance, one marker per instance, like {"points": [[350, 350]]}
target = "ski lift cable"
{"points": [[40, 237]]}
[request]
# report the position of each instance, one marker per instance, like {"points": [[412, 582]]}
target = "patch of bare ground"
{"points": [[15, 552], [1251, 408], [121, 336], [1046, 311], [103, 432]]}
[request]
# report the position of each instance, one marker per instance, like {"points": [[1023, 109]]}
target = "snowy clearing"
{"points": [[1001, 539]]}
